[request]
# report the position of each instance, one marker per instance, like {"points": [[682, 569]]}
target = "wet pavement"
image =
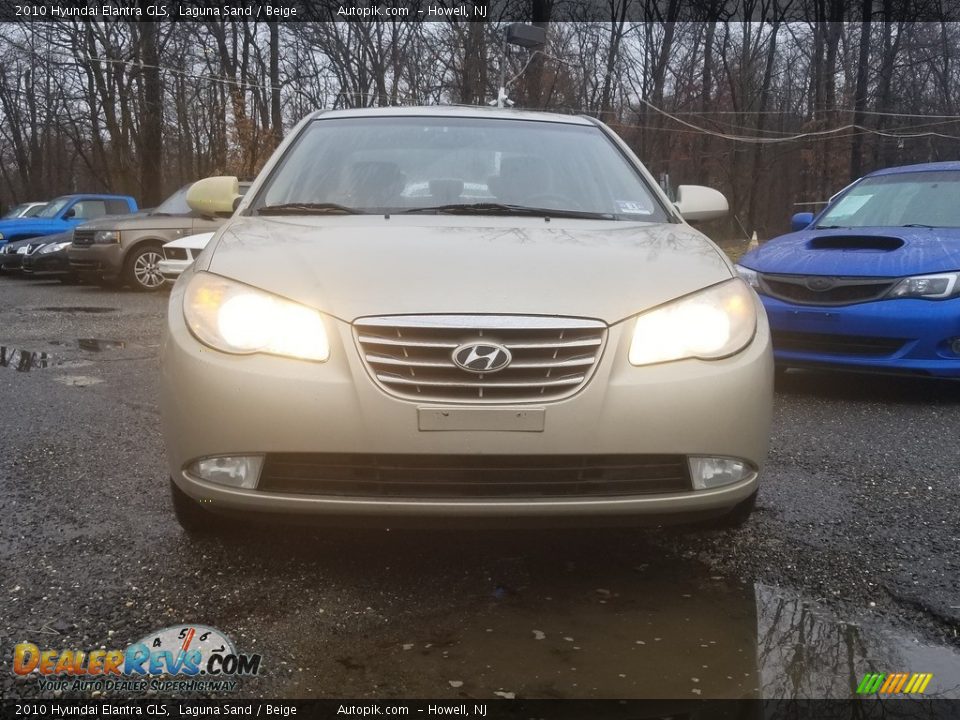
{"points": [[849, 566]]}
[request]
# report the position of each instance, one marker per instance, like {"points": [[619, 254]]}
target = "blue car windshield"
{"points": [[929, 199], [54, 208]]}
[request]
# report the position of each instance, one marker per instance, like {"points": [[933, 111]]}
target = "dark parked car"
{"points": [[13, 253], [49, 257]]}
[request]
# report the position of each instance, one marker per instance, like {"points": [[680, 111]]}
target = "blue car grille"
{"points": [[829, 344], [822, 290]]}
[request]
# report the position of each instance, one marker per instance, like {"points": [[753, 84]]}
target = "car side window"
{"points": [[117, 207], [87, 210]]}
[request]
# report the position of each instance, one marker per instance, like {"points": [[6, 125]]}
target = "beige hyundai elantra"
{"points": [[462, 314]]}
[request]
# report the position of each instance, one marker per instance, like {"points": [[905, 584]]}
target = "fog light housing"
{"points": [[712, 472], [239, 471]]}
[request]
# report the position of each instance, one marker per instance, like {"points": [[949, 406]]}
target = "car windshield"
{"points": [[33, 210], [53, 208], [176, 204], [929, 199], [17, 211], [447, 164]]}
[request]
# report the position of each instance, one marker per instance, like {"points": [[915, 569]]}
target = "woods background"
{"points": [[772, 113]]}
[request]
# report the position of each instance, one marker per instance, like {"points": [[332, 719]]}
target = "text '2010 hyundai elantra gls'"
{"points": [[462, 314]]}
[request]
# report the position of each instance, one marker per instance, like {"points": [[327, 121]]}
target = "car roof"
{"points": [[922, 167], [463, 111], [92, 195]]}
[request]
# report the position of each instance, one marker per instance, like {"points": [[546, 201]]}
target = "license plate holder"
{"points": [[500, 419]]}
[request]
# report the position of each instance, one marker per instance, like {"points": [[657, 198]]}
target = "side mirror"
{"points": [[214, 195], [800, 221], [70, 214], [697, 203]]}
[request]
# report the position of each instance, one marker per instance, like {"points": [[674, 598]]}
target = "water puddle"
{"points": [[23, 360], [95, 345], [656, 631], [78, 309]]}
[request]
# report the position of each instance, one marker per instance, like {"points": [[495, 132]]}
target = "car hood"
{"points": [[192, 242], [353, 266], [140, 221], [30, 224], [869, 252]]}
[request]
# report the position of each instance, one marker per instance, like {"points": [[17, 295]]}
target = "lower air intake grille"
{"points": [[547, 358], [473, 476], [828, 344]]}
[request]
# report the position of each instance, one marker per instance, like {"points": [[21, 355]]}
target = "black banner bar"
{"points": [[866, 709]]}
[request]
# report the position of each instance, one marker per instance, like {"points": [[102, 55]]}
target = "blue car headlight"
{"points": [[929, 287]]}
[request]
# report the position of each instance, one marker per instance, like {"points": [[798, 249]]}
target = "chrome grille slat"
{"points": [[370, 340], [411, 356], [520, 365], [396, 379]]}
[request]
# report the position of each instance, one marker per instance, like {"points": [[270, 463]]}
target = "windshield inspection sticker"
{"points": [[631, 207]]}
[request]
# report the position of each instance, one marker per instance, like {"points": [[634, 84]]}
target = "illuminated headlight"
{"points": [[931, 287], [711, 472], [710, 324], [239, 471], [55, 247], [105, 237], [748, 276], [236, 318]]}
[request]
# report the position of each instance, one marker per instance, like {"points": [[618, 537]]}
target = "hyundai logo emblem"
{"points": [[481, 357], [819, 284]]}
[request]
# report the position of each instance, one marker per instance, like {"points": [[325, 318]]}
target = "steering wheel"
{"points": [[553, 201]]}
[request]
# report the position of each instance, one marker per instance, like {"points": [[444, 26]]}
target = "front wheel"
{"points": [[142, 269]]}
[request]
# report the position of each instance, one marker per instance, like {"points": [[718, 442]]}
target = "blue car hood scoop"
{"points": [[863, 243]]}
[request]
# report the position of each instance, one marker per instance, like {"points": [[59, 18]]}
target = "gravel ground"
{"points": [[855, 542]]}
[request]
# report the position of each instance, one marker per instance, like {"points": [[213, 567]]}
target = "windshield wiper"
{"points": [[501, 209], [307, 209], [830, 227], [919, 225]]}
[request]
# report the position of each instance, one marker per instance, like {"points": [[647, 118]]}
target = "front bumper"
{"points": [[100, 260], [53, 263], [10, 261], [218, 404], [897, 336], [172, 269]]}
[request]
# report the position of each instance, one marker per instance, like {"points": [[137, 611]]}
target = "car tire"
{"points": [[196, 521], [141, 271]]}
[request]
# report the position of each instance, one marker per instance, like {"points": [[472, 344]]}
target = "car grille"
{"points": [[829, 344], [176, 254], [83, 238], [411, 356], [842, 291], [472, 476]]}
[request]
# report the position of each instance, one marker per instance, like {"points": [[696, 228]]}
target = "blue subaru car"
{"points": [[871, 283]]}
